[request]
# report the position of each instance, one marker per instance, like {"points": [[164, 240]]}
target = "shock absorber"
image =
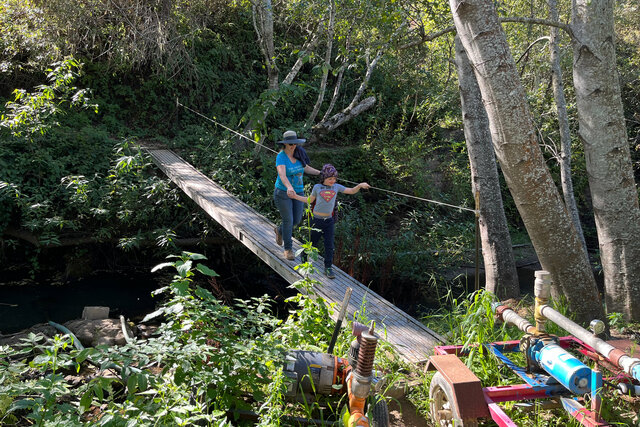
{"points": [[359, 384]]}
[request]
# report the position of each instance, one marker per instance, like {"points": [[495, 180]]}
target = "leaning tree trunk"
{"points": [[514, 138], [563, 124], [501, 276], [604, 134]]}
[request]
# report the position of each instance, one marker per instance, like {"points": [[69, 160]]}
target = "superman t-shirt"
{"points": [[326, 198]]}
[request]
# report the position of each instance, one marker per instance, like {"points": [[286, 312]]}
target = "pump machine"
{"points": [[553, 374]]}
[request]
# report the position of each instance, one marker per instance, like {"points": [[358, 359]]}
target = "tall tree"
{"points": [[326, 66], [263, 26], [501, 276], [564, 156], [516, 146], [603, 133]]}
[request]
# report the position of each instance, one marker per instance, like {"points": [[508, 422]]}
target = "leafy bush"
{"points": [[206, 362]]}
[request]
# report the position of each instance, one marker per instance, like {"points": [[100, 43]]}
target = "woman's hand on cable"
{"points": [[364, 185]]}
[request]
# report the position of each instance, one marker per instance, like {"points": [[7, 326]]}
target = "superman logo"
{"points": [[327, 195]]}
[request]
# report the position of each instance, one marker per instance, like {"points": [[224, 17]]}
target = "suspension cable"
{"points": [[462, 208]]}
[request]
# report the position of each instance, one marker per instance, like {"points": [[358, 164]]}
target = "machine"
{"points": [[553, 376], [315, 373]]}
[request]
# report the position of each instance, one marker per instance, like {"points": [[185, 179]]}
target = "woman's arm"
{"points": [[311, 170], [282, 173], [354, 190]]}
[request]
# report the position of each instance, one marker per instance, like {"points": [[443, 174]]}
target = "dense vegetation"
{"points": [[82, 85], [212, 364], [70, 170], [72, 173]]}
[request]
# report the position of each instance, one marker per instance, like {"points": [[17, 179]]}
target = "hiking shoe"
{"points": [[278, 236], [288, 254], [329, 273]]}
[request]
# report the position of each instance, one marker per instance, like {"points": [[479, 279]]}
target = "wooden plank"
{"points": [[413, 340]]}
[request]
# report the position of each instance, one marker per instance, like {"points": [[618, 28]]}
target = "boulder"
{"points": [[98, 332]]}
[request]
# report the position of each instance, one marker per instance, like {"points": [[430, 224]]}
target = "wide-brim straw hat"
{"points": [[290, 137]]}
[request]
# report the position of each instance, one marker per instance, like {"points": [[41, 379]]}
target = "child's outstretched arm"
{"points": [[354, 190]]}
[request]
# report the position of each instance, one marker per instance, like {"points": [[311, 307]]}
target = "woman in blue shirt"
{"points": [[291, 163]]}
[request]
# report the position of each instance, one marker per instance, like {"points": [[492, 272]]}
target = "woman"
{"points": [[291, 163]]}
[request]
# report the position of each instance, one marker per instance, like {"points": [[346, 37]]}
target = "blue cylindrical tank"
{"points": [[564, 367]]}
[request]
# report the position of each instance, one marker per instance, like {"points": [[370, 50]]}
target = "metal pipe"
{"points": [[343, 312], [631, 365], [510, 316], [542, 291]]}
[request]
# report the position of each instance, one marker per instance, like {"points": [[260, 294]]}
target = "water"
{"points": [[23, 306]]}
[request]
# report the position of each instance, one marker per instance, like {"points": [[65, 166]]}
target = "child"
{"points": [[325, 197]]}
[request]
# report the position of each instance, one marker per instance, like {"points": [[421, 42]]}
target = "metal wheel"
{"points": [[444, 410], [379, 412]]}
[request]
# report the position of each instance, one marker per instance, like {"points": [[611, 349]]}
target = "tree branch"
{"points": [[523, 20]]}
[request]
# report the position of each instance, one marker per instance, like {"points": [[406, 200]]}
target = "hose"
{"points": [[76, 341], [79, 346], [123, 325]]}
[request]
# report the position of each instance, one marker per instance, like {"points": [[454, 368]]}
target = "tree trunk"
{"points": [[514, 139], [326, 66], [341, 118], [263, 25], [501, 276], [343, 67], [563, 125], [270, 104], [603, 132]]}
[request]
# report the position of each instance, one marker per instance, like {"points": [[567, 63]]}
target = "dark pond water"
{"points": [[126, 294]]}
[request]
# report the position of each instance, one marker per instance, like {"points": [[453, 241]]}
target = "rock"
{"points": [[98, 332], [14, 340], [95, 312]]}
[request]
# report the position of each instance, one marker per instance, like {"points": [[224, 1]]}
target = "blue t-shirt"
{"points": [[294, 172], [326, 197]]}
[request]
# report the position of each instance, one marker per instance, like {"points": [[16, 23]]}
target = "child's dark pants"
{"points": [[326, 226]]}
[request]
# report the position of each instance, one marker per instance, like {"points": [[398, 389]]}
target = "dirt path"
{"points": [[402, 413]]}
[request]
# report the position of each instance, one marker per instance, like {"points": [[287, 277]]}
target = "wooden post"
{"points": [[477, 282]]}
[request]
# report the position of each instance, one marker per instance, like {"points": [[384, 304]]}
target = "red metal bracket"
{"points": [[466, 387]]}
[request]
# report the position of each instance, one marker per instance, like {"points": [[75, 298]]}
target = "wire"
{"points": [[223, 126], [462, 208], [416, 197]]}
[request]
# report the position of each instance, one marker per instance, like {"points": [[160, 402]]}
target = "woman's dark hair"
{"points": [[301, 154]]}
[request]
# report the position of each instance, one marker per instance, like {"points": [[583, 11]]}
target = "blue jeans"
{"points": [[326, 227], [291, 212]]}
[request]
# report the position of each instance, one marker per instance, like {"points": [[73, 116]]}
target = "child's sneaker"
{"points": [[329, 273]]}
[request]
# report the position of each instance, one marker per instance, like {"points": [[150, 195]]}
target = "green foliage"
{"points": [[206, 361], [75, 180], [35, 112]]}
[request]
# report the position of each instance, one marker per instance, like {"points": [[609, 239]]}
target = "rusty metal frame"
{"points": [[467, 389]]}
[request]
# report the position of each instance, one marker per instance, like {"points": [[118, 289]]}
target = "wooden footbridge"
{"points": [[412, 339]]}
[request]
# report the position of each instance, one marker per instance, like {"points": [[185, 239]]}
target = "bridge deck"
{"points": [[412, 339]]}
